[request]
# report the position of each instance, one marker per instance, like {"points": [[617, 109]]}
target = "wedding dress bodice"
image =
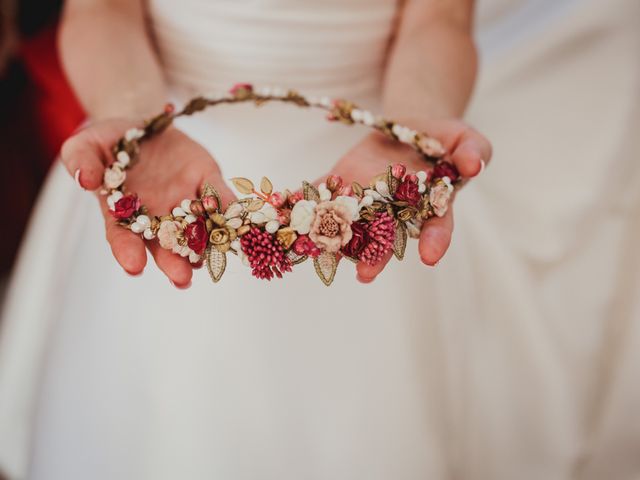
{"points": [[333, 47]]}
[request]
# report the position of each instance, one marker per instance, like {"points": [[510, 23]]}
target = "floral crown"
{"points": [[271, 231]]}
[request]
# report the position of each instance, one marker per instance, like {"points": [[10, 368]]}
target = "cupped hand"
{"points": [[171, 167], [466, 148]]}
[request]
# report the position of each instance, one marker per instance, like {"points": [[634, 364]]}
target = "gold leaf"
{"points": [[310, 192], [254, 205], [400, 242], [351, 259], [216, 263], [357, 189], [326, 265], [218, 219], [243, 185], [295, 258], [266, 186], [392, 181]]}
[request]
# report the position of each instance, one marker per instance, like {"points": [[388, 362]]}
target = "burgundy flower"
{"points": [[446, 169], [358, 242], [305, 246], [265, 254], [408, 192], [126, 207], [196, 235]]}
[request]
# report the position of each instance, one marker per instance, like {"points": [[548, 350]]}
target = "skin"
{"points": [[425, 88]]}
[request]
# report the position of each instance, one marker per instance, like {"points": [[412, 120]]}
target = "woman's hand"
{"points": [[468, 150], [171, 167]]}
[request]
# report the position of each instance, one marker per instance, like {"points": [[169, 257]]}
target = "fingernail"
{"points": [[364, 279], [180, 287], [133, 274], [483, 165], [76, 176]]}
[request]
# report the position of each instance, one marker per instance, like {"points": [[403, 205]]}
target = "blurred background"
{"points": [[37, 111]]}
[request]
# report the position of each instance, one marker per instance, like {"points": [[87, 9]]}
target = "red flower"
{"points": [[408, 192], [359, 240], [126, 207], [196, 235], [446, 169], [305, 246], [265, 254]]}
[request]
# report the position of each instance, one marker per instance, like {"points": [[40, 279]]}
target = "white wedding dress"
{"points": [[516, 358]]}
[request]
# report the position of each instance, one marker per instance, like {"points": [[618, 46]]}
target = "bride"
{"points": [[439, 373]]}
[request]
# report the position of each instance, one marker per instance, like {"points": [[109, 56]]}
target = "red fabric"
{"points": [[56, 110]]}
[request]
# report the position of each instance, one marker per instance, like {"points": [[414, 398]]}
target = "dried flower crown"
{"points": [[271, 231]]}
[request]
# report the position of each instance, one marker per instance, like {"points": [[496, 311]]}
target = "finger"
{"points": [[86, 153], [435, 238], [471, 152], [367, 273], [176, 268], [127, 247]]}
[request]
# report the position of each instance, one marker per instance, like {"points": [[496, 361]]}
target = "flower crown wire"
{"points": [[271, 231]]}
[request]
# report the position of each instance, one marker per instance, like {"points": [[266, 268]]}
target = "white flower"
{"points": [[113, 198], [265, 214], [114, 177], [324, 192], [352, 205], [383, 189], [302, 216], [233, 210]]}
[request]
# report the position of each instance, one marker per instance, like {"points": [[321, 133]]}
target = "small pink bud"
{"points": [[210, 204], [197, 208], [398, 171], [294, 198], [284, 216], [277, 199], [241, 90], [334, 182], [346, 190]]}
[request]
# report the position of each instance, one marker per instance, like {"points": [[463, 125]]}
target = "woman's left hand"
{"points": [[466, 148]]}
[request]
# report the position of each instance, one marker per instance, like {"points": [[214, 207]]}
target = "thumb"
{"points": [[86, 154]]}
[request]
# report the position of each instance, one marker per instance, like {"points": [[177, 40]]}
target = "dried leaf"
{"points": [[326, 265], [243, 185], [216, 263], [357, 189], [310, 192], [400, 242], [266, 186], [351, 259], [392, 181], [295, 258], [255, 204]]}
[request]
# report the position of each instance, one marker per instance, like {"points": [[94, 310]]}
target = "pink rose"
{"points": [[168, 234], [331, 227], [126, 207], [439, 196]]}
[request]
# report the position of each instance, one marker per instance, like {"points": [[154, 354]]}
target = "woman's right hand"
{"points": [[171, 167]]}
